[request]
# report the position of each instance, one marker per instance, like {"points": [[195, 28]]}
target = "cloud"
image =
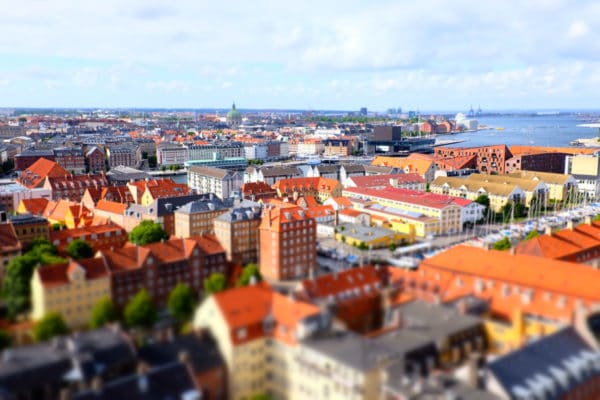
{"points": [[318, 51]]}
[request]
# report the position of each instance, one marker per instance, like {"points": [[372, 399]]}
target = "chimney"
{"points": [[183, 357], [65, 393], [97, 383], [474, 362], [512, 250], [548, 230], [588, 220]]}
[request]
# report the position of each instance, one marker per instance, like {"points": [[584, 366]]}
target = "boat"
{"points": [[499, 128]]}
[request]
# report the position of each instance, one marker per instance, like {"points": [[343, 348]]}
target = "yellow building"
{"points": [[560, 186], [197, 217], [445, 209], [70, 289], [532, 188], [259, 339], [370, 236], [498, 194]]}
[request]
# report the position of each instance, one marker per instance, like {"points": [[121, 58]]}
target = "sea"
{"points": [[555, 130]]}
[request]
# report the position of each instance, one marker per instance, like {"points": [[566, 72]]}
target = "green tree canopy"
{"points": [[484, 200], [216, 282], [102, 313], [532, 234], [79, 249], [5, 340], [51, 325], [16, 285], [502, 244], [140, 311], [249, 271], [182, 302], [147, 232]]}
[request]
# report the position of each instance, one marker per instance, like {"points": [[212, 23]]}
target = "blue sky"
{"points": [[430, 54]]}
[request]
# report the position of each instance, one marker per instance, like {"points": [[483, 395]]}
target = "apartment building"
{"points": [[96, 159], [270, 175], [222, 182], [339, 147], [490, 159], [499, 194], [585, 168], [124, 155], [421, 164], [171, 154], [72, 187], [159, 267], [237, 231], [28, 157], [216, 151], [320, 188], [29, 227], [534, 189], [523, 297], [197, 217], [561, 187], [288, 239], [71, 159], [104, 236], [35, 175], [11, 195], [404, 181], [447, 210], [70, 289]]}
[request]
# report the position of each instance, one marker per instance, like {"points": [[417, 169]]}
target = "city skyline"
{"points": [[267, 55]]}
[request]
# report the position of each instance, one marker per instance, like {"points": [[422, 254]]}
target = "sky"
{"points": [[312, 55]]}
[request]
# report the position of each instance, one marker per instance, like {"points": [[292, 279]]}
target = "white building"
{"points": [[171, 155], [222, 182]]}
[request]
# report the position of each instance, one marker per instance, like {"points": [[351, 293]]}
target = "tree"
{"points": [[502, 244], [393, 246], [152, 161], [596, 217], [532, 234], [484, 200], [57, 226], [5, 340], [140, 311], [250, 270], [16, 285], [79, 249], [103, 312], [182, 302], [216, 282], [147, 232], [51, 325]]}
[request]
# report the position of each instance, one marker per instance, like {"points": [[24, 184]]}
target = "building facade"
{"points": [[223, 183], [237, 231]]}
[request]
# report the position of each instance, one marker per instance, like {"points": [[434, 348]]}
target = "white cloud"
{"points": [[578, 29], [169, 86]]}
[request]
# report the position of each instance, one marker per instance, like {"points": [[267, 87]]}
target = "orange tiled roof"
{"points": [[414, 164], [273, 217], [518, 150], [564, 243], [366, 280], [570, 279], [58, 274], [290, 185], [35, 206], [246, 309], [111, 206], [8, 238], [38, 171]]}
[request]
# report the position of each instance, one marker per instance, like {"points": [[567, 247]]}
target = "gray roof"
{"points": [[170, 381], [205, 204], [327, 168], [353, 167], [24, 219], [431, 321], [353, 350], [81, 356], [211, 171], [202, 351], [280, 171], [164, 205], [376, 169], [549, 367], [244, 212]]}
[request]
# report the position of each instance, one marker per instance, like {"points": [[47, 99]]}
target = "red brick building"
{"points": [[71, 159], [100, 237], [490, 159], [541, 162], [288, 243], [159, 267], [96, 159], [72, 187]]}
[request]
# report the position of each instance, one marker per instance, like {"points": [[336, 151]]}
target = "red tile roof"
{"points": [[58, 274], [9, 241], [37, 172], [246, 309], [111, 206], [426, 199], [35, 206]]}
